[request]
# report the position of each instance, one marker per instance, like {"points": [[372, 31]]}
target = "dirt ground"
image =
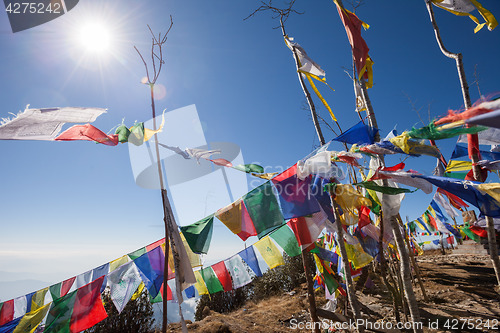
{"points": [[461, 290]]}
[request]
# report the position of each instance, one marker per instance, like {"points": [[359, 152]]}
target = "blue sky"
{"points": [[68, 207]]}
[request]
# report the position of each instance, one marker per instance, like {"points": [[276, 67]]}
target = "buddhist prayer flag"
{"points": [[295, 197], [307, 229], [102, 270], [223, 275], [7, 312], [83, 279], [285, 238], [238, 271], [236, 218], [150, 267], [200, 284], [32, 319], [10, 326], [213, 284], [248, 256], [199, 234], [464, 7], [89, 133], [358, 134], [20, 306], [269, 252], [123, 282], [118, 262], [38, 299], [263, 209], [360, 50]]}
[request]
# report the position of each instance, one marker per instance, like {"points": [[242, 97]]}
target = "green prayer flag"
{"points": [[55, 290], [383, 189], [59, 317], [137, 253], [199, 234], [430, 132], [137, 134], [285, 238], [248, 168], [330, 282], [123, 133], [263, 209], [157, 299], [456, 175], [211, 281], [375, 206]]}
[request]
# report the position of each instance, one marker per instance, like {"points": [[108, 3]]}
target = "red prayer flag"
{"points": [[223, 275], [454, 200], [169, 292], [222, 162], [88, 309], [301, 230], [360, 50], [247, 227], [364, 216], [66, 285], [89, 133], [155, 244], [479, 231], [396, 167], [286, 174], [7, 312]]}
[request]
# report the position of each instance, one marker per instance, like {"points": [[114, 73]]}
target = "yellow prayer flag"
{"points": [[231, 216], [464, 7], [118, 262], [138, 292], [200, 284], [38, 299], [30, 321], [149, 133], [269, 252], [492, 189], [454, 166]]}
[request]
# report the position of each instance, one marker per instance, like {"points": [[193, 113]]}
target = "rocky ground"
{"points": [[461, 290]]}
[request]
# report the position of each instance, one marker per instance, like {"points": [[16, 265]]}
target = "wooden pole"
{"points": [[351, 293], [305, 90], [472, 139]]}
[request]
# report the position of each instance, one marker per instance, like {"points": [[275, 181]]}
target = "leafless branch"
{"points": [[156, 54], [414, 108], [278, 13]]}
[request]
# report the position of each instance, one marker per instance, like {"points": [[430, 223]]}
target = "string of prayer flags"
{"points": [[310, 69], [199, 234], [223, 275], [122, 283], [89, 133], [236, 218], [464, 7], [77, 311], [269, 252], [238, 272], [358, 134], [248, 256], [263, 209], [359, 47], [467, 190], [285, 238], [295, 197], [45, 123], [213, 284]]}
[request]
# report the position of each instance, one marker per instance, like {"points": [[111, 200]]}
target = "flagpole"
{"points": [[472, 139]]}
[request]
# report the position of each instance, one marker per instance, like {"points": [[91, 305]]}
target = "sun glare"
{"points": [[95, 37]]}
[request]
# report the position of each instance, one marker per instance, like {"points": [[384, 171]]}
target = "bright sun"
{"points": [[95, 37]]}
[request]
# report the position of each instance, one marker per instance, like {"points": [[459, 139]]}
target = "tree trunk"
{"points": [[472, 139]]}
